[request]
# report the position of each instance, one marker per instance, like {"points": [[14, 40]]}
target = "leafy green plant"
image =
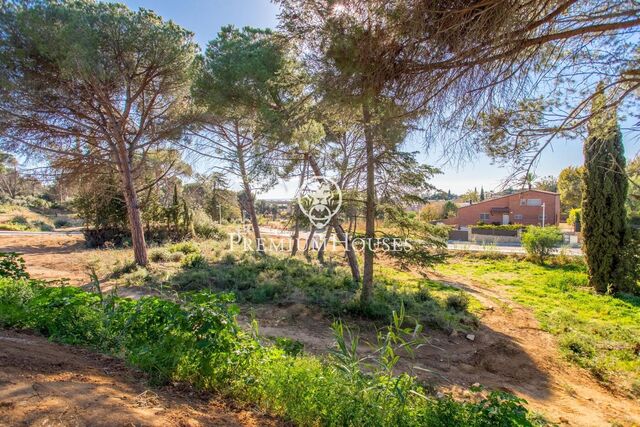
{"points": [[539, 242], [12, 265]]}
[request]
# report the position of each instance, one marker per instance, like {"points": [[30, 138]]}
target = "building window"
{"points": [[523, 202], [518, 217], [540, 218], [534, 202], [485, 217]]}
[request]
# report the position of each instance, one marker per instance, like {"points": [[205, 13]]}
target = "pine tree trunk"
{"points": [[251, 207], [297, 212], [133, 209], [307, 246], [370, 210], [324, 244], [342, 236]]}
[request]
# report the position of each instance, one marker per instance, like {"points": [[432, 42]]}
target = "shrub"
{"points": [[160, 255], [540, 241], [194, 260], [61, 223], [19, 220], [138, 277], [185, 247], [457, 302], [42, 226], [578, 347]]}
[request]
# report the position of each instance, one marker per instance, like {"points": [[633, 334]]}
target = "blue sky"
{"points": [[205, 17]]}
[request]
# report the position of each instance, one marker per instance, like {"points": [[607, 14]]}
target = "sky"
{"points": [[206, 17]]}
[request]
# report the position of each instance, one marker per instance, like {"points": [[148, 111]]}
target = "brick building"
{"points": [[525, 207]]}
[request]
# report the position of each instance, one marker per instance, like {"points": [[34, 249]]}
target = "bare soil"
{"points": [[47, 384], [509, 351]]}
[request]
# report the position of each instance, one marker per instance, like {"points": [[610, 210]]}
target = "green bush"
{"points": [[539, 242], [42, 226], [194, 260], [19, 220], [184, 247], [198, 340]]}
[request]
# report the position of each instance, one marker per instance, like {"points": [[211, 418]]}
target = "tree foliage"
{"points": [[605, 189], [93, 84], [570, 188]]}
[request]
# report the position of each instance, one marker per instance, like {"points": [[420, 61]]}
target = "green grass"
{"points": [[598, 332]]}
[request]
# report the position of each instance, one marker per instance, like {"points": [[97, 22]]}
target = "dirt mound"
{"points": [[46, 384]]}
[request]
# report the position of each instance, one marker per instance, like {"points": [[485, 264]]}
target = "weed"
{"points": [[140, 276], [290, 346]]}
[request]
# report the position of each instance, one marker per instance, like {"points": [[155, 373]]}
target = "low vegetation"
{"points": [[262, 279], [539, 242], [598, 332], [197, 339]]}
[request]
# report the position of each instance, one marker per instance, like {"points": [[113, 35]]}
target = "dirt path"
{"points": [[46, 384], [512, 352]]}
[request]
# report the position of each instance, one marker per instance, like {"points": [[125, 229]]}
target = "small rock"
{"points": [[471, 337], [475, 385], [453, 334], [440, 395]]}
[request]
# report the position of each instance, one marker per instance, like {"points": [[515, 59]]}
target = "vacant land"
{"points": [[508, 337]]}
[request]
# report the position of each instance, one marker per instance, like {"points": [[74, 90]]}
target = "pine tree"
{"points": [[604, 190]]}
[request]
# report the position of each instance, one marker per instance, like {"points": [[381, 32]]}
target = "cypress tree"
{"points": [[481, 193], [604, 188]]}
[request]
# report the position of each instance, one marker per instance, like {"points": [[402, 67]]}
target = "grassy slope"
{"points": [[18, 218], [598, 332]]}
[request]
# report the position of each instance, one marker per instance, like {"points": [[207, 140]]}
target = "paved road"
{"points": [[453, 246]]}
